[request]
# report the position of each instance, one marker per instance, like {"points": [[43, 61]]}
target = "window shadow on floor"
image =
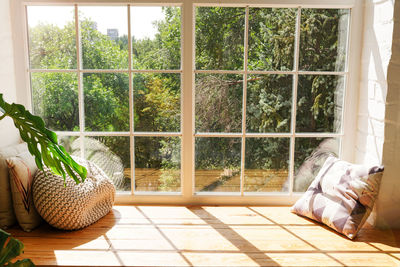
{"points": [[207, 236], [243, 245], [90, 239]]}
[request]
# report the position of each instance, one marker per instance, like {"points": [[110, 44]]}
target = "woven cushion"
{"points": [[7, 217], [22, 170], [73, 206], [341, 196]]}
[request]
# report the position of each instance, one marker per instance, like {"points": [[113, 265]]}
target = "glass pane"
{"points": [[157, 102], [71, 144], [219, 38], [217, 164], [269, 103], [158, 164], [55, 99], [271, 38], [267, 164], [106, 101], [323, 39], [309, 156], [104, 35], [219, 102], [111, 154], [319, 103], [156, 37], [52, 39]]}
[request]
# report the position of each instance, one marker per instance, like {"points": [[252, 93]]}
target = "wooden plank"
{"points": [[281, 215], [365, 259], [204, 236], [107, 258], [256, 180]]}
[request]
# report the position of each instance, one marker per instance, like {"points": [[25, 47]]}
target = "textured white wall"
{"points": [[376, 140], [8, 134], [378, 129], [376, 53], [388, 205]]}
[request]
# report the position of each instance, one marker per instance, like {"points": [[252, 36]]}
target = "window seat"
{"points": [[207, 236]]}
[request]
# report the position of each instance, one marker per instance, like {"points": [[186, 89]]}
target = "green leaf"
{"points": [[33, 131], [10, 250], [21, 263], [3, 238]]}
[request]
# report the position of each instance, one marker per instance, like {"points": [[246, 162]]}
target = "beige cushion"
{"points": [[7, 217], [73, 206], [22, 170], [341, 196]]}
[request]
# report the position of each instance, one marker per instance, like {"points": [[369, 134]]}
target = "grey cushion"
{"points": [[73, 206], [7, 217]]}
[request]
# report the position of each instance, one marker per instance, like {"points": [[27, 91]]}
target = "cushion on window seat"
{"points": [[341, 196], [73, 206], [22, 170], [7, 217]]}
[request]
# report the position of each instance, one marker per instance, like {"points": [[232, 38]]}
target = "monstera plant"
{"points": [[42, 143], [11, 248]]}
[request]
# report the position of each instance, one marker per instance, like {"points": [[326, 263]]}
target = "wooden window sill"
{"points": [[207, 236]]}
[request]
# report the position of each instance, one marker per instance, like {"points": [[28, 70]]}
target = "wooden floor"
{"points": [[208, 236]]}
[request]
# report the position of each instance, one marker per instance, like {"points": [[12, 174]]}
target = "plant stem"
{"points": [[4, 114]]}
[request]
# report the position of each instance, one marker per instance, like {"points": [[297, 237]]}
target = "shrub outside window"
{"points": [[266, 86]]}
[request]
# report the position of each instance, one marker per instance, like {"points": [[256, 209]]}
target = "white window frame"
{"points": [[187, 196]]}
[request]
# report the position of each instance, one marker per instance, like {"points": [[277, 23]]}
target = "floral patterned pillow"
{"points": [[341, 196]]}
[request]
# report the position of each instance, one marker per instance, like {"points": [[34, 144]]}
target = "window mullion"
{"points": [[131, 95], [294, 100], [28, 76], [81, 104], [345, 104], [187, 99], [244, 101]]}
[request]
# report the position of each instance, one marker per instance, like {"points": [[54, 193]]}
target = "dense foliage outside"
{"points": [[219, 38]]}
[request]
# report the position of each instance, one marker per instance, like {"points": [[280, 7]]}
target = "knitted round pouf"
{"points": [[73, 206]]}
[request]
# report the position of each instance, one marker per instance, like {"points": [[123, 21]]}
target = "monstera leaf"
{"points": [[42, 143], [10, 250]]}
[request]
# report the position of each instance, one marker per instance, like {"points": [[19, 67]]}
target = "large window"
{"points": [[264, 78], [108, 79], [193, 101]]}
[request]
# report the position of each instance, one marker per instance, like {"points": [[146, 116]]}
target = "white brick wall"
{"points": [[8, 134], [388, 204], [378, 130], [376, 54]]}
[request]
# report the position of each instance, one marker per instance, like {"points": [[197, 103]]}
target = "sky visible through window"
{"points": [[143, 16]]}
